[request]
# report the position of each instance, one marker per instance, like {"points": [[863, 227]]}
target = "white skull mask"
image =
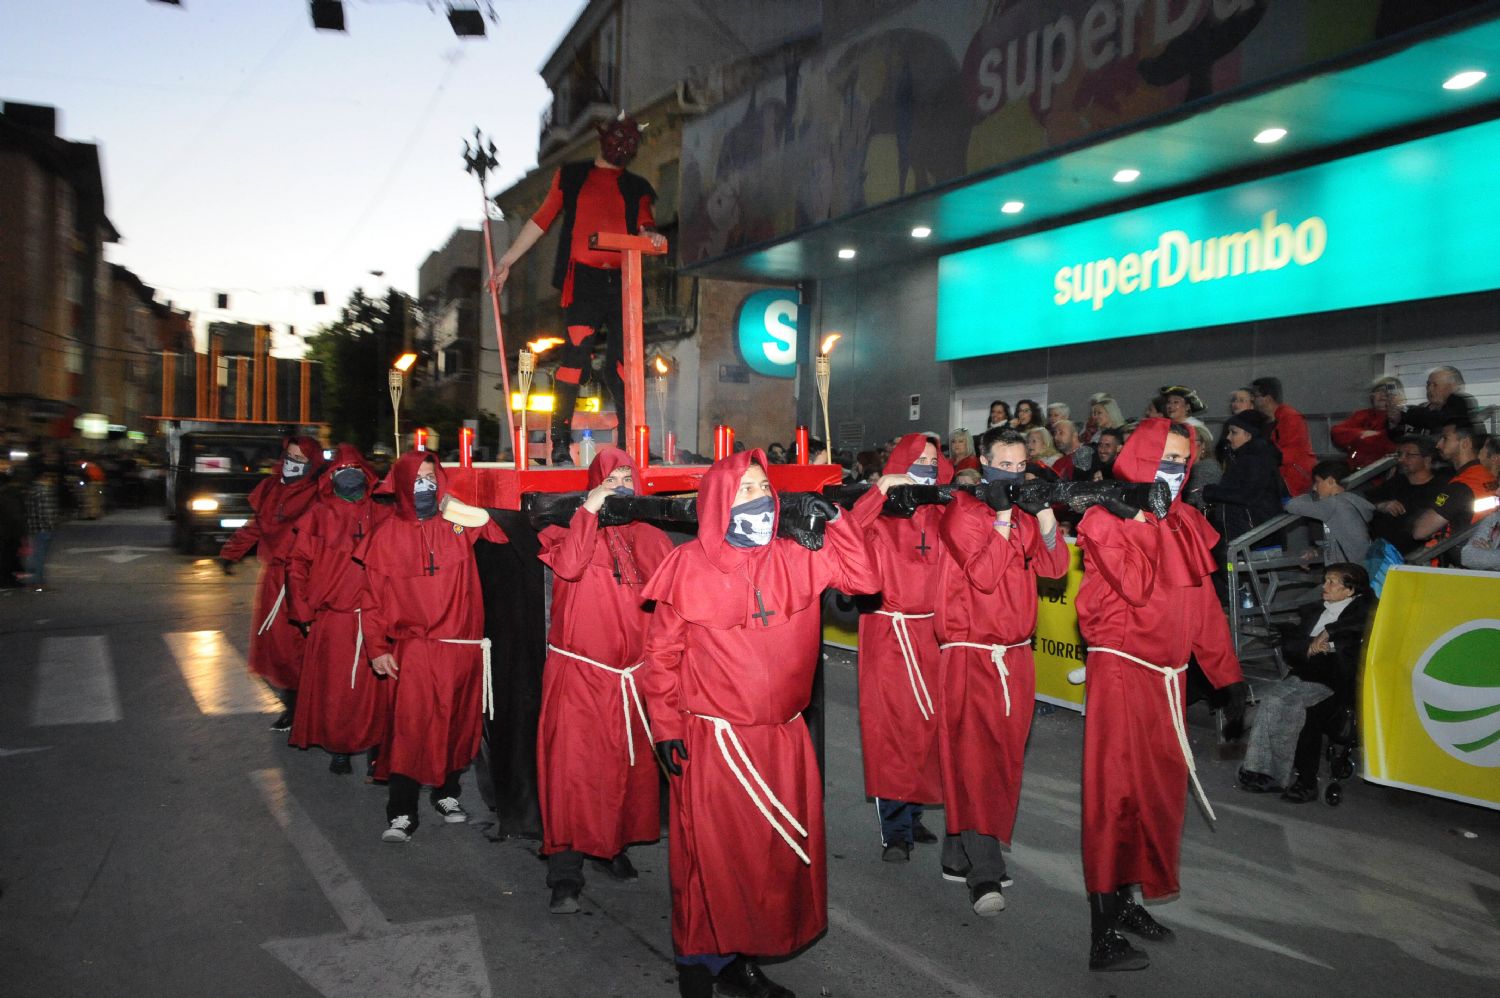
{"points": [[751, 523]]}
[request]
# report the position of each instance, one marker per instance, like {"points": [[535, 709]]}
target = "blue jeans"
{"points": [[897, 818], [36, 564]]}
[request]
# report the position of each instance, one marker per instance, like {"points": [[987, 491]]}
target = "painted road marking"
{"points": [[216, 675], [75, 682]]}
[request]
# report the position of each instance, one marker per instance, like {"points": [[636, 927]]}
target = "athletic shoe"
{"points": [[340, 765], [564, 899], [619, 868], [1301, 792], [962, 877], [921, 833], [896, 852], [987, 899], [283, 721], [403, 826], [452, 812]]}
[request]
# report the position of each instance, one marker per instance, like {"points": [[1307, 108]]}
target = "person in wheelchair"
{"points": [[1322, 652]]}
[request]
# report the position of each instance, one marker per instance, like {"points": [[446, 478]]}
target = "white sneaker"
{"points": [[1077, 676], [401, 829], [452, 812]]}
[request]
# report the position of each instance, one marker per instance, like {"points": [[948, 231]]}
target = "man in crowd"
{"points": [[1446, 402], [898, 651], [1401, 499], [1288, 433], [41, 521], [1146, 605], [1345, 515], [730, 658], [1467, 498], [596, 771], [992, 554], [339, 702], [424, 626], [591, 196], [1106, 449], [278, 502], [1065, 439]]}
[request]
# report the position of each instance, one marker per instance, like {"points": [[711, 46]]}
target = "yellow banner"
{"points": [[1057, 648], [1430, 698]]}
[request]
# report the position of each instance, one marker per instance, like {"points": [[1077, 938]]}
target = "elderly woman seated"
{"points": [[1323, 653]]}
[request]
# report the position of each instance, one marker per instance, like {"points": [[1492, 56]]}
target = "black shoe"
{"points": [[896, 852], [370, 758], [1301, 792], [986, 899], [744, 979], [565, 899], [340, 765], [402, 828], [920, 833], [619, 868], [955, 876], [1136, 920], [1108, 950], [1256, 783], [283, 721], [694, 981]]}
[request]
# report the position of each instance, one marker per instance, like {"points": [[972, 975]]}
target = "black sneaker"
{"points": [[744, 979], [403, 826], [1301, 792], [619, 868], [283, 721], [1112, 951], [955, 876], [451, 810], [921, 834], [1256, 783], [1135, 919], [340, 765], [987, 899], [896, 852], [565, 899]]}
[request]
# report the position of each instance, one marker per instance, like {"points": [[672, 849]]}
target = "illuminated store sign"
{"points": [[1406, 222], [766, 332]]}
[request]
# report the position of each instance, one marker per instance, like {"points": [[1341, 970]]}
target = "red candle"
{"points": [[465, 447], [669, 452], [721, 449], [802, 444], [642, 446], [520, 448]]}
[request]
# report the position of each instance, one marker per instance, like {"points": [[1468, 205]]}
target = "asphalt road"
{"points": [[158, 840]]}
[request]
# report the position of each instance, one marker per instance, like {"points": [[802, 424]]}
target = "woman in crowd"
{"points": [[1366, 435], [1028, 414], [1040, 449], [961, 450], [1206, 469], [999, 413], [1250, 491], [1104, 414]]}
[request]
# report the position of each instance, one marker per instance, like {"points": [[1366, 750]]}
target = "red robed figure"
{"points": [[422, 605], [276, 648], [898, 697], [339, 704], [730, 658], [1146, 592], [594, 798]]}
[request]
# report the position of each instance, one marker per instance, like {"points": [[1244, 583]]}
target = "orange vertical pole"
{"points": [[630, 249], [200, 362], [257, 407], [305, 395], [272, 412], [168, 383], [241, 386], [213, 379]]}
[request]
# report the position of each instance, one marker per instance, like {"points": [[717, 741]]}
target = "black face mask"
{"points": [[349, 484], [425, 498], [1001, 474]]}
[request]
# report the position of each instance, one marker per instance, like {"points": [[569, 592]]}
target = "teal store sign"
{"points": [[766, 332], [1417, 220]]}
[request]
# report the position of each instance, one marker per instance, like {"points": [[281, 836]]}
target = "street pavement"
{"points": [[158, 840]]}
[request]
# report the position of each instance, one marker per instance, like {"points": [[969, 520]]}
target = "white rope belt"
{"points": [[997, 655], [628, 691], [909, 653], [265, 625], [1175, 706], [359, 643], [725, 735], [488, 704]]}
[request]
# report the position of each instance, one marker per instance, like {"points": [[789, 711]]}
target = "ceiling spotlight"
{"points": [[1127, 175], [1464, 80], [328, 15], [1014, 207], [847, 253], [467, 22], [1268, 135], [920, 232]]}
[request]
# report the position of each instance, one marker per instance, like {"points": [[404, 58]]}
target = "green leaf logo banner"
{"points": [[1456, 686]]}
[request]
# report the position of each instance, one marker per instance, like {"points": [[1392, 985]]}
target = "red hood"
{"points": [[716, 494], [605, 463], [1185, 544], [346, 456], [311, 448], [1141, 455], [908, 449], [403, 475]]}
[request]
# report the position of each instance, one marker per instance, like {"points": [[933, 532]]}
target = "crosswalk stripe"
{"points": [[216, 675], [75, 682]]}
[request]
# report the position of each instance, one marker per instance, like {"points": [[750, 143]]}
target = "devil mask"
{"points": [[619, 140]]}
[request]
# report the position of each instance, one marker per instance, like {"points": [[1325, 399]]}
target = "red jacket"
{"points": [[1297, 458], [1349, 436]]}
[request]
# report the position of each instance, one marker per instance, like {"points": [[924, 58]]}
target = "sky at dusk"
{"points": [[246, 152]]}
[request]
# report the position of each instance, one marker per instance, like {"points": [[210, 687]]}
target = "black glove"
{"points": [[1236, 695], [901, 501], [1119, 507], [1041, 472], [613, 513], [227, 566], [1032, 500], [803, 516], [302, 625], [997, 496], [668, 752]]}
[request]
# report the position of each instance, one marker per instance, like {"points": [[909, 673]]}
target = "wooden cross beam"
{"points": [[631, 249]]}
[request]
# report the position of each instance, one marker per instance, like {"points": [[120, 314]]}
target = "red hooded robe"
{"points": [[276, 649], [730, 657], [422, 593], [987, 596], [1145, 592], [340, 706], [898, 700], [594, 799]]}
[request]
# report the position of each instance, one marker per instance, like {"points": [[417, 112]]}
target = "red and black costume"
{"points": [[591, 199]]}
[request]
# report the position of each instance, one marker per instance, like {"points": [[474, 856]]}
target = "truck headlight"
{"points": [[203, 505]]}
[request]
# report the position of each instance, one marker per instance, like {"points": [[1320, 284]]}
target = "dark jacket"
{"points": [[1421, 419], [1338, 669], [1250, 492]]}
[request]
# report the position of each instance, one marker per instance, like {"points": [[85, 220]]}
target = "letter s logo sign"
{"points": [[766, 332]]}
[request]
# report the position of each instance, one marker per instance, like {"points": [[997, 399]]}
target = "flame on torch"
{"points": [[661, 366], [828, 342], [544, 344]]}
